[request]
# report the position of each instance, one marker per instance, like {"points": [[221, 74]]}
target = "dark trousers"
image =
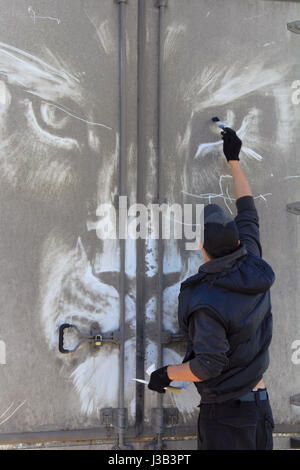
{"points": [[236, 425]]}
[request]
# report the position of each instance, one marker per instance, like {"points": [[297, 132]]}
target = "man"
{"points": [[225, 313]]}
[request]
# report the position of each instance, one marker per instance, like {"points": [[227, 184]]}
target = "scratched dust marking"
{"points": [[33, 14], [12, 413], [2, 93], [71, 114], [2, 352], [223, 194]]}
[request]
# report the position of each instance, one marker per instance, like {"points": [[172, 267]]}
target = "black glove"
{"points": [[159, 379], [232, 144]]}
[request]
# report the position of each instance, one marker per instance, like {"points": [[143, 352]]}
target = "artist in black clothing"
{"points": [[225, 313]]}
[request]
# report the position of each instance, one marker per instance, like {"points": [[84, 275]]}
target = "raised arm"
{"points": [[241, 185], [247, 219], [231, 147]]}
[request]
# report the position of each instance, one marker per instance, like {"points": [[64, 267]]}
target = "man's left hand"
{"points": [[159, 379]]}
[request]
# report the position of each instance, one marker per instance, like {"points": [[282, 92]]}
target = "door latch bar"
{"points": [[96, 337]]}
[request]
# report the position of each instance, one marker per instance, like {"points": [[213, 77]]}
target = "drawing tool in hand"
{"points": [[219, 123], [141, 381], [169, 388]]}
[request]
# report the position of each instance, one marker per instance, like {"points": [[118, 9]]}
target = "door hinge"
{"points": [[295, 400], [294, 208], [169, 337], [114, 417], [117, 419], [162, 418], [294, 26], [161, 3]]}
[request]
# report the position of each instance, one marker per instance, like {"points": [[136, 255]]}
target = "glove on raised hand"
{"points": [[159, 379], [232, 144]]}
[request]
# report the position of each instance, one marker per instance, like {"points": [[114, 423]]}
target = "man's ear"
{"points": [[200, 246], [238, 243]]}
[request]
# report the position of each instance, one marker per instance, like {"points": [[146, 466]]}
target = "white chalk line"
{"points": [[3, 414], [10, 416], [81, 119], [225, 198], [33, 15], [206, 147], [253, 17], [71, 114], [179, 221], [102, 34]]}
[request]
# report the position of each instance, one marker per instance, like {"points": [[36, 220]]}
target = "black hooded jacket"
{"points": [[225, 312]]}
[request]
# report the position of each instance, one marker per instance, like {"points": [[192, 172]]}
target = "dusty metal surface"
{"points": [[115, 98]]}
